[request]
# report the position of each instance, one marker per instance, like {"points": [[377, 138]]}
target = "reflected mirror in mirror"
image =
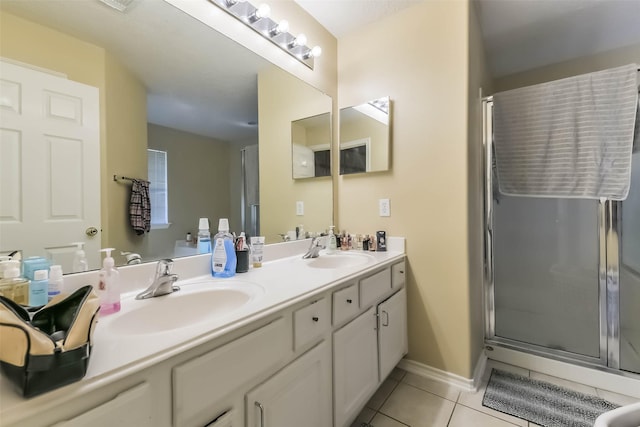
{"points": [[193, 97], [365, 133], [311, 146]]}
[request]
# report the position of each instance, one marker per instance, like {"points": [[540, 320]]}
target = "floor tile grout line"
{"points": [[492, 416], [389, 416], [435, 394]]}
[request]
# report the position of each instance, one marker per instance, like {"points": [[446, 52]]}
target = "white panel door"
{"points": [[392, 334], [49, 165]]}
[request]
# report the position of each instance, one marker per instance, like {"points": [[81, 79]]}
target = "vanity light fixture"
{"points": [[119, 5], [258, 19]]}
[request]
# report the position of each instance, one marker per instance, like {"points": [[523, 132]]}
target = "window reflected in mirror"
{"points": [[365, 132]]}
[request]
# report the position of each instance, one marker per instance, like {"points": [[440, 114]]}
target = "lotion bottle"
{"points": [[56, 282], [109, 285], [333, 243], [38, 288], [223, 258]]}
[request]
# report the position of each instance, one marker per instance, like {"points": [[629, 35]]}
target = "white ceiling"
{"points": [[518, 34], [202, 82]]}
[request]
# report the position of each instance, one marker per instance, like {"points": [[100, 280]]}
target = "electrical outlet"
{"points": [[299, 208], [384, 207]]}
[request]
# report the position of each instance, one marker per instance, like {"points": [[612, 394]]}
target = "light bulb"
{"points": [[316, 51], [282, 27], [263, 11], [301, 40]]}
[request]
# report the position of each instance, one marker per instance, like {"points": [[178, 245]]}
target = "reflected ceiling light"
{"points": [[119, 5], [258, 19]]}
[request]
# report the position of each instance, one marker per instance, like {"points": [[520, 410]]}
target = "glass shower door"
{"points": [[546, 273], [630, 274]]}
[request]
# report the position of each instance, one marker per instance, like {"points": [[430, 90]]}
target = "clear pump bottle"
{"points": [[80, 263]]}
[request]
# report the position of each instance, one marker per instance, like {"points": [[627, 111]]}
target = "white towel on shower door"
{"points": [[570, 138]]}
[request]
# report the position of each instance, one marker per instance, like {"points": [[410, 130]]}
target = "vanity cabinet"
{"points": [[315, 362], [368, 348], [298, 395], [207, 387]]}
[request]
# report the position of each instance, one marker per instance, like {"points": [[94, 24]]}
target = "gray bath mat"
{"points": [[542, 403]]}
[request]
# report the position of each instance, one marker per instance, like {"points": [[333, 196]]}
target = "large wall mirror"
{"points": [[184, 90], [365, 133]]}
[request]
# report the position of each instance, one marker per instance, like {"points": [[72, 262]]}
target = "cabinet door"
{"points": [[298, 395], [130, 408], [355, 366], [392, 333]]}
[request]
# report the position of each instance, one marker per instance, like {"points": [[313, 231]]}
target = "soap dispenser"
{"points": [[223, 259], [333, 243], [109, 285], [80, 263]]}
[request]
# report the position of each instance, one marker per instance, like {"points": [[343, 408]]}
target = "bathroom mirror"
{"points": [[186, 90], [365, 133], [311, 146]]}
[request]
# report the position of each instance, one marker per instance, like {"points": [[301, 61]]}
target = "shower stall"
{"points": [[563, 275]]}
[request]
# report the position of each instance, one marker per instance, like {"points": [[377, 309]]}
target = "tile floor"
{"points": [[406, 399]]}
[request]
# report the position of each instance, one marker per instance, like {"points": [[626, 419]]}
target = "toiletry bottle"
{"points": [[301, 233], [204, 236], [333, 244], [38, 288], [55, 280], [80, 263], [13, 286], [223, 259], [109, 285]]}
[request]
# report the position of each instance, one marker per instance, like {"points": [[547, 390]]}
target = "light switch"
{"points": [[299, 208], [384, 207]]}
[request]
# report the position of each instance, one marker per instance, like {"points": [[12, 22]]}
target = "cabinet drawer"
{"points": [[398, 273], [201, 385], [130, 408], [374, 287], [310, 323], [345, 304]]}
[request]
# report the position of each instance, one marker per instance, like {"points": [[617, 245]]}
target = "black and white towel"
{"points": [[140, 206]]}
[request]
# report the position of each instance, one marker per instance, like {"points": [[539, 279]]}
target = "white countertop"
{"points": [[283, 281]]}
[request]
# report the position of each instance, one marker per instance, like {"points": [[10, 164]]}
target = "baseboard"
{"points": [[429, 372]]}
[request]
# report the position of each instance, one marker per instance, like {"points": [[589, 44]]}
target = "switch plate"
{"points": [[384, 207], [299, 208]]}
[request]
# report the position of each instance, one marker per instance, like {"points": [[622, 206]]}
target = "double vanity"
{"points": [[298, 342]]}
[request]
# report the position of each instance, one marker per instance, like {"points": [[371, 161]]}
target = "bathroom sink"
{"points": [[339, 260], [193, 304]]}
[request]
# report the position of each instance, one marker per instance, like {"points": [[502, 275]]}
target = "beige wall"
{"points": [[122, 102], [420, 58], [587, 64], [198, 172], [282, 99], [126, 154]]}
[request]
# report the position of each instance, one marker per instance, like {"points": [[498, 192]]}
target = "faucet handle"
{"points": [[164, 267]]}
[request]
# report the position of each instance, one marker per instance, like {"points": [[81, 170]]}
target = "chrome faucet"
{"points": [[317, 243], [162, 282]]}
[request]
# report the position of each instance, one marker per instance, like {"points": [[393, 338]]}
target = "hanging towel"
{"points": [[140, 206], [570, 138]]}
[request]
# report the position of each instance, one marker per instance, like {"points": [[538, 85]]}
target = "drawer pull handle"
{"points": [[259, 405], [315, 318], [349, 301]]}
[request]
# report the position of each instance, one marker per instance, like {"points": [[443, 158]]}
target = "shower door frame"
{"points": [[608, 214]]}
